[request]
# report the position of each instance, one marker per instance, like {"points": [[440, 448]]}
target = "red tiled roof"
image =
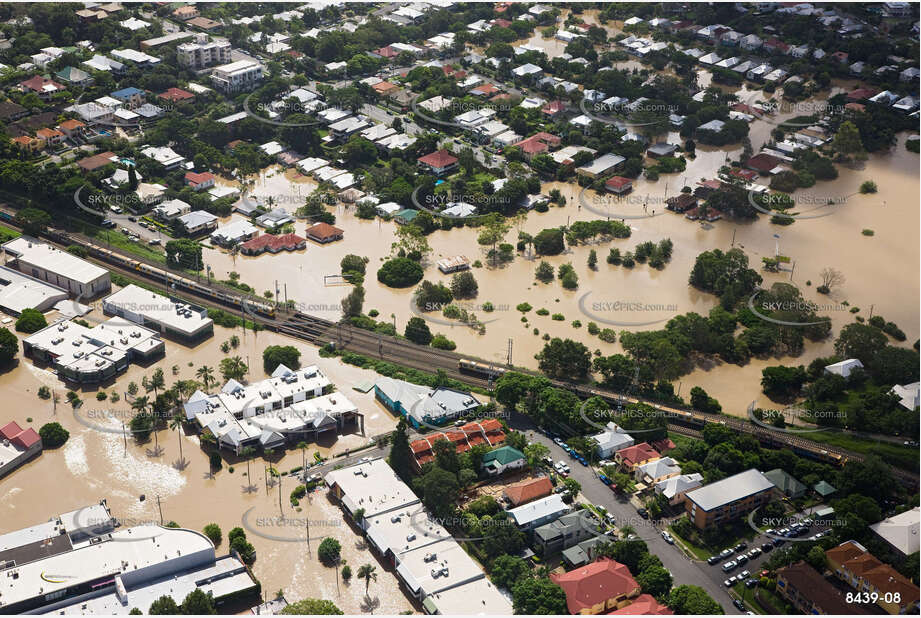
{"points": [[486, 88], [763, 162], [26, 439], [618, 182], [522, 493], [96, 161], [387, 52], [384, 87], [844, 552], [273, 242], [744, 174], [439, 158], [198, 177], [595, 583], [38, 83], [537, 143], [495, 437], [711, 184], [71, 124], [553, 107], [637, 453], [644, 605], [176, 94], [862, 93], [10, 430], [491, 424], [323, 231], [420, 446], [424, 460], [663, 445]]}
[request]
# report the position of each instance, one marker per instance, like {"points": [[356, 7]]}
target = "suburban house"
{"points": [[612, 440], [563, 533], [439, 162], [199, 181], [324, 233], [786, 483], [17, 446], [539, 512], [656, 471], [197, 222], [634, 456], [728, 499], [527, 491], [503, 459], [273, 243], [598, 588], [601, 166], [674, 488], [844, 368], [619, 185]]}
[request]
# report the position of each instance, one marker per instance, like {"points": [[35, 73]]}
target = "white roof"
{"points": [[440, 566], [538, 509], [844, 368], [730, 489], [603, 163], [901, 531], [19, 291], [157, 308], [908, 394], [459, 209], [238, 228], [311, 164], [675, 485], [54, 260], [372, 486]]}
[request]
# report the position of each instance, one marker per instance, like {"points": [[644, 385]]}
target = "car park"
{"points": [[783, 532], [668, 538]]}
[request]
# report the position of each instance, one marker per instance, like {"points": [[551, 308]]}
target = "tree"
{"points": [[354, 302], [198, 603], [830, 278], [329, 551], [494, 229], [400, 454], [157, 381], [9, 346], [535, 452], [367, 572], [33, 221], [205, 374], [816, 557], [164, 606], [53, 435], [275, 355], [315, 607], [433, 296], [507, 570], [780, 382], [549, 242], [183, 253], [655, 580], [30, 321], [692, 600], [538, 595], [847, 140], [565, 359], [213, 532], [439, 489], [233, 368], [464, 285], [418, 331], [353, 263], [175, 424], [411, 241], [399, 272], [593, 259], [860, 341]]}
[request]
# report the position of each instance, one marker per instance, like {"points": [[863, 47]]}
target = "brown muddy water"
{"points": [[812, 244], [95, 464]]}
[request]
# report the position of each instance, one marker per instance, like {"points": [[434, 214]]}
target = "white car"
{"points": [[668, 538]]}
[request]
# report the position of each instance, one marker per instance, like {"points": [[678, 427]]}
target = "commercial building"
{"points": [[598, 588], [728, 499], [169, 316], [290, 405], [430, 564], [422, 405], [19, 291], [91, 355], [811, 593], [238, 76], [900, 531], [601, 166], [855, 566], [81, 562], [59, 268], [17, 446]]}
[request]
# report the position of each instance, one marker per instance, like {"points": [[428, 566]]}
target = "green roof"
{"points": [[407, 215], [785, 482], [503, 455], [824, 489]]}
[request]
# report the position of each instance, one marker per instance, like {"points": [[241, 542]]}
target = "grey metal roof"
{"points": [[729, 489]]}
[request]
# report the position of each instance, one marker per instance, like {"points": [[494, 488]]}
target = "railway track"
{"points": [[318, 331]]}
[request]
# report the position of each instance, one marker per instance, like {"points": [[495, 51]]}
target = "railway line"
{"points": [[318, 331]]}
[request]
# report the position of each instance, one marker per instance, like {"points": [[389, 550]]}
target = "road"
{"points": [[683, 570]]}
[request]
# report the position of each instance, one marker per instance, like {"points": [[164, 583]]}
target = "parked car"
{"points": [[726, 553], [739, 604], [152, 241], [133, 219], [778, 542], [741, 546], [730, 566], [668, 538], [713, 560], [643, 513], [108, 223], [767, 547], [743, 575], [754, 553], [728, 583], [751, 582]]}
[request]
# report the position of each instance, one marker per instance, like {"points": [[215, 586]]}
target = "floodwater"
{"points": [[812, 244], [94, 464]]}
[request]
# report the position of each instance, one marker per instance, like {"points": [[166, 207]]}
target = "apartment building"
{"points": [[728, 499], [203, 53], [238, 76]]}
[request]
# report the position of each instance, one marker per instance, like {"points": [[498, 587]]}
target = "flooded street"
{"points": [[96, 464], [812, 244]]}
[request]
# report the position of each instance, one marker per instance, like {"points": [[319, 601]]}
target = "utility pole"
{"points": [[160, 509], [279, 496], [509, 352], [125, 436]]}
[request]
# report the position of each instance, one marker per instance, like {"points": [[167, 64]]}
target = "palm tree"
{"points": [[140, 404], [367, 572], [247, 453], [303, 446], [174, 424], [206, 375], [233, 253]]}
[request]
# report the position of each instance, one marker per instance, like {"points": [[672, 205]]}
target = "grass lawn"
{"points": [[730, 535], [748, 597], [699, 552], [8, 233]]}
